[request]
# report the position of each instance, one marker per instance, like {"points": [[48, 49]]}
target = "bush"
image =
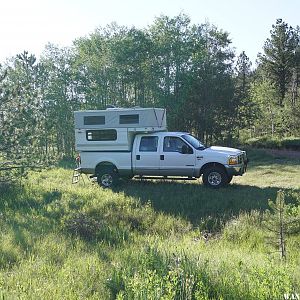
{"points": [[94, 229], [83, 225], [289, 143]]}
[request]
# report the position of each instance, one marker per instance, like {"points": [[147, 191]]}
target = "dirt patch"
{"points": [[283, 153]]}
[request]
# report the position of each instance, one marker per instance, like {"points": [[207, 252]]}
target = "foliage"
{"points": [[290, 143], [279, 56], [246, 108], [182, 67], [276, 83], [186, 68], [21, 118], [19, 107], [284, 221]]}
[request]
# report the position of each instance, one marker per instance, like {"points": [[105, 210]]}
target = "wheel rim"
{"points": [[106, 180], [214, 178]]}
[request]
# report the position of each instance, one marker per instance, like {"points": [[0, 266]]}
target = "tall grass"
{"points": [[147, 240]]}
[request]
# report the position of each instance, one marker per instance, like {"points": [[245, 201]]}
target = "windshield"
{"points": [[193, 141]]}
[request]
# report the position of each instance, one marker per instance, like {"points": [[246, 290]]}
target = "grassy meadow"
{"points": [[150, 239]]}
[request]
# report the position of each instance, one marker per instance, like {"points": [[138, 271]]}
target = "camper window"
{"points": [[94, 120], [129, 119], [101, 135]]}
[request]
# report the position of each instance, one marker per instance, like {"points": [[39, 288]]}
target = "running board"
{"points": [[165, 178]]}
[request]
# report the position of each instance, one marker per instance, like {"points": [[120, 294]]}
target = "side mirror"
{"points": [[184, 149]]}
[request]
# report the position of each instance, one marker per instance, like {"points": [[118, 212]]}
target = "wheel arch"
{"points": [[105, 164], [211, 164]]}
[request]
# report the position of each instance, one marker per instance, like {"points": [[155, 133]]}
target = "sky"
{"points": [[31, 24]]}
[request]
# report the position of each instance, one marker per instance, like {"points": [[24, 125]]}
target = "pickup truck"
{"points": [[171, 155]]}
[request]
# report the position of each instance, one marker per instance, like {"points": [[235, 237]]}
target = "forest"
{"points": [[192, 70]]}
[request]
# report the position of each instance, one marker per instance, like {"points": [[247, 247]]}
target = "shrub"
{"points": [[292, 143], [93, 229], [264, 142], [83, 225], [289, 143]]}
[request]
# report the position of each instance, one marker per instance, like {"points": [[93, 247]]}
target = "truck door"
{"points": [[147, 156], [177, 158]]}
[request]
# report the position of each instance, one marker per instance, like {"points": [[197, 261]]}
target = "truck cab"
{"points": [[180, 154]]}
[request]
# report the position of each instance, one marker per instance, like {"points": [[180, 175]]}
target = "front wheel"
{"points": [[107, 178], [215, 177]]}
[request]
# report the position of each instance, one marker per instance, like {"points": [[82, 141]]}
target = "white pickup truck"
{"points": [[166, 154], [156, 154]]}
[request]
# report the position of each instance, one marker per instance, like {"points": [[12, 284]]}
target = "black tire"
{"points": [[107, 177], [215, 177]]}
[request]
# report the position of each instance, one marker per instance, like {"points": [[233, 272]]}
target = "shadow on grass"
{"points": [[200, 205], [27, 217]]}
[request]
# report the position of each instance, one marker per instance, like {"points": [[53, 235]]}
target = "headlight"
{"points": [[233, 160]]}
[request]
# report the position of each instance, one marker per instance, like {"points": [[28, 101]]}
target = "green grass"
{"points": [[145, 240]]}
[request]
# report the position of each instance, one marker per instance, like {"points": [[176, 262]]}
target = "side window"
{"points": [[148, 144], [174, 144], [101, 135], [129, 119], [94, 120]]}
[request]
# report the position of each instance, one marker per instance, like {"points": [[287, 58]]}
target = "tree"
{"points": [[243, 73], [264, 95], [60, 99], [170, 65], [210, 88], [279, 56], [246, 108], [21, 118], [282, 222], [295, 81]]}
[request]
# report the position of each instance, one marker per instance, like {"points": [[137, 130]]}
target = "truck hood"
{"points": [[224, 150]]}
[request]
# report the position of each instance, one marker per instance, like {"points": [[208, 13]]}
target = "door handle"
{"points": [[138, 157], [162, 157], [199, 157]]}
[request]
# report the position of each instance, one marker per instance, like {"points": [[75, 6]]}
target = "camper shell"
{"points": [[114, 129]]}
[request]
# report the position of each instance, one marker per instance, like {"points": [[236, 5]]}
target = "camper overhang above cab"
{"points": [[121, 118], [114, 128]]}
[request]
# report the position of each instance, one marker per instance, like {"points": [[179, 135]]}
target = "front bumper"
{"points": [[237, 170]]}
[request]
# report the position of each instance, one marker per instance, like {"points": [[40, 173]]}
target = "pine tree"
{"points": [[246, 108], [20, 121], [281, 223], [279, 56]]}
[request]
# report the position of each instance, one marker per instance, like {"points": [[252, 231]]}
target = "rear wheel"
{"points": [[215, 177], [107, 177]]}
